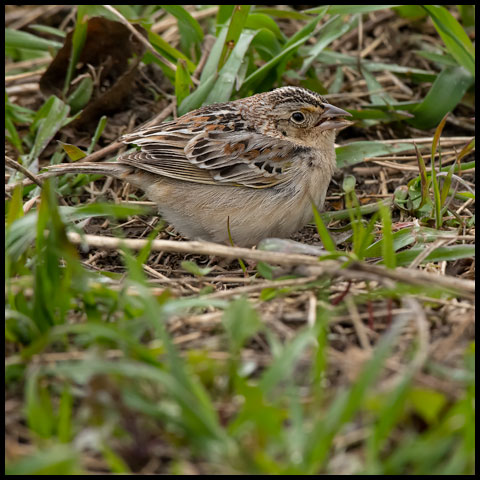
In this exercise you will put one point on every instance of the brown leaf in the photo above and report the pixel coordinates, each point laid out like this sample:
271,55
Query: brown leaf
113,54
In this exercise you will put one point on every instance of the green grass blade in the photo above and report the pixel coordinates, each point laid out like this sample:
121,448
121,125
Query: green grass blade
260,21
284,363
54,460
222,90
374,86
356,152
19,39
191,33
450,253
446,185
241,322
235,29
211,66
169,52
65,412
388,252
194,269
436,196
198,96
322,230
102,123
423,177
183,82
453,35
438,133
281,13
39,409
466,149
15,206
444,95
346,403
50,119
334,28
388,417
223,16
408,236
292,44
78,41
82,94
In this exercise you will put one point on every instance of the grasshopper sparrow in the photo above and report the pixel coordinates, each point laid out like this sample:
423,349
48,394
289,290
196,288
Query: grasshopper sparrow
257,163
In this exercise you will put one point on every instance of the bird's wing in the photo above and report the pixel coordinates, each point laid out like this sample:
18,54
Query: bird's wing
214,147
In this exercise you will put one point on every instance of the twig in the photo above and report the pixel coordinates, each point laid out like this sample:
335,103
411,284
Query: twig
167,111
20,168
406,168
23,76
207,46
29,16
423,255
458,179
357,323
34,62
258,287
465,288
465,205
22,89
445,141
312,266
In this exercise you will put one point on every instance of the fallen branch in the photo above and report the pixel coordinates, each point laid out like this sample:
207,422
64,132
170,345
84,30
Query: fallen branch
311,265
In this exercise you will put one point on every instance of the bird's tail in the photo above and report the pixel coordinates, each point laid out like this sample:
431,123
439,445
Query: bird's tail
113,169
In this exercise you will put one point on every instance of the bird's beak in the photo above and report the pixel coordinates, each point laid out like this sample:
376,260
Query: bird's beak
332,119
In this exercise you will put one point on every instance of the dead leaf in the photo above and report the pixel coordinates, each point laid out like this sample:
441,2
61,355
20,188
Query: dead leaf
110,56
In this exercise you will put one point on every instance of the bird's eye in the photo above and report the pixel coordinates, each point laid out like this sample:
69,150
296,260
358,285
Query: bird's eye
298,117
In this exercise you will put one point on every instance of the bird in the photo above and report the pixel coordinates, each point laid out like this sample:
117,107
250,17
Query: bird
237,171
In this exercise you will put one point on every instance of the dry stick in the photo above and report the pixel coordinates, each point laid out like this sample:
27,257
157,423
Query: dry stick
414,157
359,327
23,76
103,152
201,248
359,270
22,89
157,119
34,62
20,168
367,26
258,287
207,46
445,141
423,255
29,16
465,288
405,168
